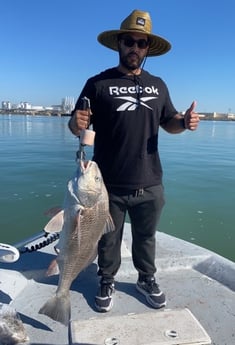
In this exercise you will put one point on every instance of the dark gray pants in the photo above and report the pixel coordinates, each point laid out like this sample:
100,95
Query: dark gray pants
144,212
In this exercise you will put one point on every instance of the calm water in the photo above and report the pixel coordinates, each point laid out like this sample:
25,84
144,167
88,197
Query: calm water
38,157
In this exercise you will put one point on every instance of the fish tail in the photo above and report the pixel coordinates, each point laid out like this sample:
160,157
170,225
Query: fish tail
58,308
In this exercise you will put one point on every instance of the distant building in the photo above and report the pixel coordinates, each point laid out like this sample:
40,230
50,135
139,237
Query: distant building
56,107
231,116
37,107
25,106
6,105
68,104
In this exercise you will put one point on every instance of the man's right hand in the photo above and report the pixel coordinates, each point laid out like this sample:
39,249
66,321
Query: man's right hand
79,120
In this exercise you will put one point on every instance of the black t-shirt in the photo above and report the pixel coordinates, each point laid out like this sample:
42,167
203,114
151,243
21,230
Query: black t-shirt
127,112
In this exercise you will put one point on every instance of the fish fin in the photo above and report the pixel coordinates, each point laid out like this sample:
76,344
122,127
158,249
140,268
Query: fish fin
93,257
56,223
51,212
58,308
109,225
53,269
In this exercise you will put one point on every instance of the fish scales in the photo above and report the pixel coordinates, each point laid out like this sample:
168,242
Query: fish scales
79,251
86,219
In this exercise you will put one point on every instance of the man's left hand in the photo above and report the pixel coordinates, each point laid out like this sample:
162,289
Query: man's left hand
191,119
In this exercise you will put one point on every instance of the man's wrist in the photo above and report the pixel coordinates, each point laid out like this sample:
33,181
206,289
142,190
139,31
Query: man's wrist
183,123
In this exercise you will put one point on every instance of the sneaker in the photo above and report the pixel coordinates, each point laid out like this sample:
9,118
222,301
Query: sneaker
150,289
104,298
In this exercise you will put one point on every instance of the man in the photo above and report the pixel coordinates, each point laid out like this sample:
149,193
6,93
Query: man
128,105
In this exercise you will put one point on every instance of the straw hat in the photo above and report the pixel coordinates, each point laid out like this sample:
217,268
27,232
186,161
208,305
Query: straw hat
138,22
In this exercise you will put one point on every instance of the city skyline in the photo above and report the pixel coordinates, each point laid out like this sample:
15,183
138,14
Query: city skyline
67,105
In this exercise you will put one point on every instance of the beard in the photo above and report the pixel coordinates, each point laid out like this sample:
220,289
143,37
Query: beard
130,61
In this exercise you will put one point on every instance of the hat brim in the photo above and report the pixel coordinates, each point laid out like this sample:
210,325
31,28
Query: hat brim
158,45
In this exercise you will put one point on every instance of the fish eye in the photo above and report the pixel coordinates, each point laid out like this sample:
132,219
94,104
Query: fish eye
97,179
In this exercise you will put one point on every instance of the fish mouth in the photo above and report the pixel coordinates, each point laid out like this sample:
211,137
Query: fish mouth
84,165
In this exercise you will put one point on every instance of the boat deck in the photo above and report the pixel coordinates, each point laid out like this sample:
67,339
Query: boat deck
192,278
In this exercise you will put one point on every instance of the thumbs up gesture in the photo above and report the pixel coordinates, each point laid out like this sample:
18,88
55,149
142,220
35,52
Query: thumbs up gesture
191,119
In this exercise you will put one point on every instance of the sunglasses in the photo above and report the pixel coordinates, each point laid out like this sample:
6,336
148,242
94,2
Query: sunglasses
129,42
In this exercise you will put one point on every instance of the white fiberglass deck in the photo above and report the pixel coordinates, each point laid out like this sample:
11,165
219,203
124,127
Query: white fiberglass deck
195,281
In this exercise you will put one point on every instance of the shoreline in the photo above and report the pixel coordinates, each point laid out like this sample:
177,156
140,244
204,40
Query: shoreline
205,116
33,113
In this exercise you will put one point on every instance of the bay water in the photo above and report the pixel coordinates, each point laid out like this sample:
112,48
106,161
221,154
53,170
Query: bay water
38,157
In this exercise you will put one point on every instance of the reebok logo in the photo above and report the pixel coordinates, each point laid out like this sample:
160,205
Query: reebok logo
132,103
115,90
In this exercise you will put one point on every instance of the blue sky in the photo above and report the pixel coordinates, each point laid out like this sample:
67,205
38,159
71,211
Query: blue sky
49,48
